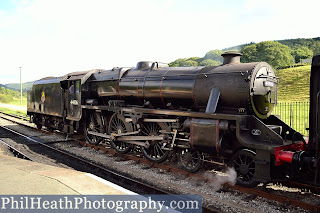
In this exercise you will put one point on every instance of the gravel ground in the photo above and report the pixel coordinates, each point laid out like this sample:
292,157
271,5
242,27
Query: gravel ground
224,200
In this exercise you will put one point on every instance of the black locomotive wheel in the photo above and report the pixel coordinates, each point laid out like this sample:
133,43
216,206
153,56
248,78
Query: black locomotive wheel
60,126
39,126
243,163
190,160
94,124
154,152
36,121
118,125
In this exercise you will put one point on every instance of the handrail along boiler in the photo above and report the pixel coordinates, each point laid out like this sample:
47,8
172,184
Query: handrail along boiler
217,112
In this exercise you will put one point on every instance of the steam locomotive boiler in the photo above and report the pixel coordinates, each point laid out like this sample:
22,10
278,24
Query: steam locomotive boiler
250,88
197,113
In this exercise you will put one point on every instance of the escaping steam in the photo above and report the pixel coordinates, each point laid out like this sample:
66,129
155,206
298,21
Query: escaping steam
216,181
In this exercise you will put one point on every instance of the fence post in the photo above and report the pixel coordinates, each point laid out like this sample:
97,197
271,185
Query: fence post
291,114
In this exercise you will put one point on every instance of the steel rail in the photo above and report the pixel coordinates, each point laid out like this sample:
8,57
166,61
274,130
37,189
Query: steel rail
251,191
109,173
15,116
255,192
15,151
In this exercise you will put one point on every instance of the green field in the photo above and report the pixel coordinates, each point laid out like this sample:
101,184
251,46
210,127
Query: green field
294,114
293,97
13,111
14,107
17,102
294,84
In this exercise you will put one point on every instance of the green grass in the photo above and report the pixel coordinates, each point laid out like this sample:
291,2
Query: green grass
17,102
16,112
293,87
294,84
294,114
12,110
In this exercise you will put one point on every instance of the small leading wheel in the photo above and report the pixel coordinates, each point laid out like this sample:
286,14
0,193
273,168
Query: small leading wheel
155,151
243,163
190,160
118,125
94,124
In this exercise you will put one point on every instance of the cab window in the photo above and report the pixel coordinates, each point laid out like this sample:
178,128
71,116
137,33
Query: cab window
71,88
77,87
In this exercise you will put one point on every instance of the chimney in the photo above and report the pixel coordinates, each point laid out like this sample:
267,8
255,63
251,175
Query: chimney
231,57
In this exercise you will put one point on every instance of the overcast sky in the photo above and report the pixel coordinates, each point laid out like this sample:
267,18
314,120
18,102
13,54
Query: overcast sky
55,37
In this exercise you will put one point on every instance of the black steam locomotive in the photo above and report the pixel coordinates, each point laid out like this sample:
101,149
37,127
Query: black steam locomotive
217,113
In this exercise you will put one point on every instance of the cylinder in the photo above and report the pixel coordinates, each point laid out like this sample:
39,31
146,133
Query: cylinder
286,156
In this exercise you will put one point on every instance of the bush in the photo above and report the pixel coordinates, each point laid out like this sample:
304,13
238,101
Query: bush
5,99
272,52
209,62
214,55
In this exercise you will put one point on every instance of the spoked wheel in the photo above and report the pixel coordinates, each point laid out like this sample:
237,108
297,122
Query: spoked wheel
94,124
243,163
118,125
155,150
190,160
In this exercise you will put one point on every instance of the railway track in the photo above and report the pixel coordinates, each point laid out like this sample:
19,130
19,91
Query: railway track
86,162
148,189
302,186
25,118
15,151
252,191
168,168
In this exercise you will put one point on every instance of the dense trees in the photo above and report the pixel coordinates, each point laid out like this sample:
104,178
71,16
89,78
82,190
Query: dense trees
212,58
301,52
209,62
272,52
277,53
184,62
311,43
5,99
7,95
214,55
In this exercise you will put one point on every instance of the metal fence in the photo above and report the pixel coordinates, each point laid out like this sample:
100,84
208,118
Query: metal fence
295,114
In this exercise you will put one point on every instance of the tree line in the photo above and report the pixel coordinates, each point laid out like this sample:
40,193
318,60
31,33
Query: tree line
7,95
278,54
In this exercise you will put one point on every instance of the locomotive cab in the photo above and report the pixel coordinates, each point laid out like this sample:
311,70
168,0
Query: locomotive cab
72,83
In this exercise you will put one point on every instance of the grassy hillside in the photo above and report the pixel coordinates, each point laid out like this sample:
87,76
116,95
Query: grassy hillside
294,84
